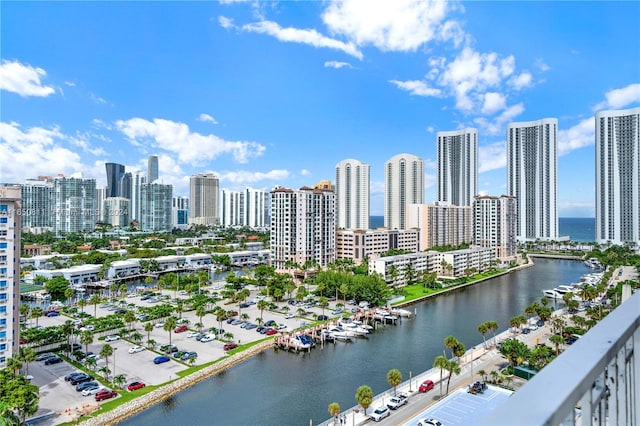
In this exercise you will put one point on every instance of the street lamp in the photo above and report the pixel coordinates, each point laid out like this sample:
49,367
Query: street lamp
114,367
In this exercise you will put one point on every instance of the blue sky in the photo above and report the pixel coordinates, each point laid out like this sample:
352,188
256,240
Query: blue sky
266,94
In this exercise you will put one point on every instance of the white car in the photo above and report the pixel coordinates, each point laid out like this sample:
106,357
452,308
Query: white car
429,422
289,316
92,391
208,338
159,325
380,413
282,326
112,338
192,334
136,349
88,328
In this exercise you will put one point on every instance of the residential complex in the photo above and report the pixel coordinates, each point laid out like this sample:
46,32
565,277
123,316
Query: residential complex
618,177
115,173
352,194
37,199
75,204
245,208
180,212
10,228
532,166
358,244
303,227
116,212
495,225
457,153
203,199
155,204
403,185
441,224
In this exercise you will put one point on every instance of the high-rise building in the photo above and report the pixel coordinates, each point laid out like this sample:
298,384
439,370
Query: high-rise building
232,208
244,208
152,168
138,179
495,225
257,208
155,205
115,212
352,194
303,227
441,224
457,153
180,212
74,204
618,177
126,185
10,206
101,195
37,202
203,199
532,165
403,185
115,173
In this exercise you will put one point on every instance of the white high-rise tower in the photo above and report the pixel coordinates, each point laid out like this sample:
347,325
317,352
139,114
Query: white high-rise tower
352,194
532,165
203,199
618,176
403,185
458,166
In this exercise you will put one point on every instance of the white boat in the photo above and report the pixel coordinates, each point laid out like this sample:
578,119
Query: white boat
341,334
552,294
401,312
356,328
299,343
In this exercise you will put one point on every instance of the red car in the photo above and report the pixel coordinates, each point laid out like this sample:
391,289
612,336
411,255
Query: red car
271,332
427,385
106,394
230,346
180,329
135,385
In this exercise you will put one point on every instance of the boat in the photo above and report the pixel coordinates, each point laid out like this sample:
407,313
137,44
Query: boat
552,294
356,328
401,312
593,263
300,342
341,334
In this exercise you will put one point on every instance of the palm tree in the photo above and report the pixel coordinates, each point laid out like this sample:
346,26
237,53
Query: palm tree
36,312
27,355
82,303
148,327
228,336
91,363
68,294
451,342
129,318
483,374
136,337
14,364
86,338
180,307
452,367
201,312
364,396
120,380
514,322
482,329
262,305
334,410
169,324
123,290
105,352
394,378
557,340
440,362
94,300
105,370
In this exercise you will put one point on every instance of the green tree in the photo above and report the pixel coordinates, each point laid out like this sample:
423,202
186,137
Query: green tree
148,327
129,317
95,300
364,396
440,362
120,380
14,364
482,329
105,352
262,305
19,394
453,368
82,303
27,355
169,324
36,312
334,410
56,287
68,294
557,340
451,342
394,378
86,338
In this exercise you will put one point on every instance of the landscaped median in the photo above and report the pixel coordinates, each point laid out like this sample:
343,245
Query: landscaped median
142,402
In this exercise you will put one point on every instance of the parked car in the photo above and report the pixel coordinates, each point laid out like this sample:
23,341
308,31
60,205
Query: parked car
540,323
398,401
168,349
81,378
208,338
70,376
192,334
282,326
271,332
112,338
380,413
88,328
289,316
76,347
429,422
426,386
261,329
53,314
251,326
93,391
477,387
230,346
44,356
322,317
135,386
188,355
526,330
86,385
136,349
106,394
160,359
270,323
159,325
52,360
180,329
199,336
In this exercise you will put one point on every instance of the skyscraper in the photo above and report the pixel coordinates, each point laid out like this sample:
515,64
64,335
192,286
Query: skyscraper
155,205
303,227
352,194
457,153
115,173
257,208
244,208
137,180
232,208
203,199
75,204
126,185
618,177
403,185
10,205
37,202
152,168
532,164
180,212
441,224
495,225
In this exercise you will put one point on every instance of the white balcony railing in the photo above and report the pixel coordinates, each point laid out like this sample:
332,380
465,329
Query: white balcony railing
596,381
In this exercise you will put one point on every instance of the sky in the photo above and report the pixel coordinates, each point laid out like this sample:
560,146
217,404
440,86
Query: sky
268,94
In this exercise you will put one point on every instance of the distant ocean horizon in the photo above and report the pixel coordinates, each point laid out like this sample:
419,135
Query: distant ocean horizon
579,229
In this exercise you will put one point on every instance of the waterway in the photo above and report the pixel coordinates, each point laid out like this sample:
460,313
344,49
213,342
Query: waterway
279,388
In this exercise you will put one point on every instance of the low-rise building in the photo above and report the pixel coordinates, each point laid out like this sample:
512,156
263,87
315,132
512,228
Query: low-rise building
356,244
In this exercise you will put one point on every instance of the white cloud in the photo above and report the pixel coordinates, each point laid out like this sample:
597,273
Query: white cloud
305,172
206,117
493,102
430,129
541,65
496,125
97,99
190,147
242,177
522,80
619,98
417,87
337,64
225,22
70,83
491,157
399,25
295,35
23,79
376,187
578,136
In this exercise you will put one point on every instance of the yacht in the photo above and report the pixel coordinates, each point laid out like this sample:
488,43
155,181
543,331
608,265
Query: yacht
341,334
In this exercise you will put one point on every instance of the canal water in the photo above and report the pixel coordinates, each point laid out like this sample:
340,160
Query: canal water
280,388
